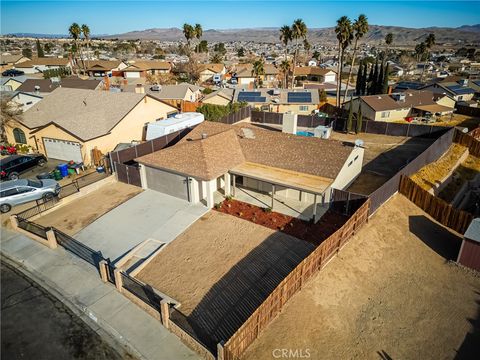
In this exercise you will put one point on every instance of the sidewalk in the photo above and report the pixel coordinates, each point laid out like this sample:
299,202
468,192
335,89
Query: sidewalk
79,284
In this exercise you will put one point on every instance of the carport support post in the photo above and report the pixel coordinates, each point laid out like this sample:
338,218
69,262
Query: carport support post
165,313
233,184
220,352
51,239
227,184
314,207
118,279
273,195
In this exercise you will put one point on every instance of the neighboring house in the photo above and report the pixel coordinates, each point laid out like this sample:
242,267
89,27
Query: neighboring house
11,83
215,158
303,101
43,87
219,97
206,71
8,61
101,68
458,90
244,75
25,100
315,74
407,85
69,123
140,69
176,94
38,65
401,106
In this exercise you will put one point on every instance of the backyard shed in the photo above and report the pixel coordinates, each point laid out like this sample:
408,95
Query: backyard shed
469,254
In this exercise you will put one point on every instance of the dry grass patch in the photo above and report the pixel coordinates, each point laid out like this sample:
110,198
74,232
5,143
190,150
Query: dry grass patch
428,176
465,172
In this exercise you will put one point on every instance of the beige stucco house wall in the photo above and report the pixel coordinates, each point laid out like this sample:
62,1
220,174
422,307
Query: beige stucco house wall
217,100
130,128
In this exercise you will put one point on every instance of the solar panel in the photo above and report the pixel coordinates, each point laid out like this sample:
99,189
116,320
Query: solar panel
250,96
458,89
302,97
477,83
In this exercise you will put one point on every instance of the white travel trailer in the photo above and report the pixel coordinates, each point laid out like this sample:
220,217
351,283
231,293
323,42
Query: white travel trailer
170,125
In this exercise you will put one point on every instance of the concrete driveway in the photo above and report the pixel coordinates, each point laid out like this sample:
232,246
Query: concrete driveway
149,215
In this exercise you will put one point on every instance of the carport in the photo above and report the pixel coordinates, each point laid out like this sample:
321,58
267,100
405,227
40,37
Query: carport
289,186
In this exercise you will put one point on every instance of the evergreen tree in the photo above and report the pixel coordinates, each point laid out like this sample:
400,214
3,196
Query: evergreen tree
374,85
350,117
379,84
40,52
364,78
358,84
385,81
359,118
370,81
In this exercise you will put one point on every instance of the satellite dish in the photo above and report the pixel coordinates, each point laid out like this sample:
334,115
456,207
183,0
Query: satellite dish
359,142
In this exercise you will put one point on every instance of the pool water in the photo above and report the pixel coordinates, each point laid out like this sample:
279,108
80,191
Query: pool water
305,133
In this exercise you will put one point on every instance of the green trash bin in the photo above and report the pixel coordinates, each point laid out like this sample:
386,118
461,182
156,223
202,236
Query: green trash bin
57,175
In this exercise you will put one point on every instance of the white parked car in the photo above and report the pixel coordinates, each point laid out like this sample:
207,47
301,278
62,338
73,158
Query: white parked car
21,191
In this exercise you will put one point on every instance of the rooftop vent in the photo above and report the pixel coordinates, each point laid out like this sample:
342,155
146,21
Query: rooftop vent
204,135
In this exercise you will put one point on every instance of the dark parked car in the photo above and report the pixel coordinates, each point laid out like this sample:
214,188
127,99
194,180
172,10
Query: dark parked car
12,166
13,72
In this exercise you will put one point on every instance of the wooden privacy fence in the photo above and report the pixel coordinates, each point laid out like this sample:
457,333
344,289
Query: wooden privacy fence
340,124
239,115
469,141
273,304
467,110
437,208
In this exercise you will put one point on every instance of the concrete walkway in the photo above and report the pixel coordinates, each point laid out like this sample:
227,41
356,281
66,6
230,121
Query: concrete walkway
79,286
148,215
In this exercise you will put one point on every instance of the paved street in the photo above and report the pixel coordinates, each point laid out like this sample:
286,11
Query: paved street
36,325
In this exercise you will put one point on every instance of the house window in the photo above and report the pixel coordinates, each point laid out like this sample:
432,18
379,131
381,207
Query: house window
350,163
19,136
29,103
385,114
303,108
460,97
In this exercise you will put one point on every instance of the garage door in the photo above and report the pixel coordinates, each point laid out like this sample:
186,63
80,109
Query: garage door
167,183
63,150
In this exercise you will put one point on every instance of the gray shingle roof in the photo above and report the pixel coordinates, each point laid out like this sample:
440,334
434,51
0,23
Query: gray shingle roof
87,114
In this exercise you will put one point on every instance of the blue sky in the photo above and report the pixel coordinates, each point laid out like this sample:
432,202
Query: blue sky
113,17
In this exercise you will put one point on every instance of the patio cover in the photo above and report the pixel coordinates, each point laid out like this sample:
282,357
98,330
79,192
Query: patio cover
433,108
287,178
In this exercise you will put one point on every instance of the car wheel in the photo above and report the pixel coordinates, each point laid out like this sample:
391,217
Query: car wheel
48,196
13,176
4,208
41,162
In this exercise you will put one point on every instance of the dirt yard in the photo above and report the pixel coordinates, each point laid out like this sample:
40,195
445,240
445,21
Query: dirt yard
222,268
73,217
389,294
384,156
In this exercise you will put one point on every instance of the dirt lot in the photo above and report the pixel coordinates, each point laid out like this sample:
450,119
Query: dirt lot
222,268
390,294
73,217
384,156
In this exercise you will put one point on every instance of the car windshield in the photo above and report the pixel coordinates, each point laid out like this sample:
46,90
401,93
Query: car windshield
35,183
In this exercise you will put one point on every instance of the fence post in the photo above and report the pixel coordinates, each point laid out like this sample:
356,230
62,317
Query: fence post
103,270
118,279
220,351
51,239
14,222
165,313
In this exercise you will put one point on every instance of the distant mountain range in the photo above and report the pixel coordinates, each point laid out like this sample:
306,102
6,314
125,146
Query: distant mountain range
466,34
402,36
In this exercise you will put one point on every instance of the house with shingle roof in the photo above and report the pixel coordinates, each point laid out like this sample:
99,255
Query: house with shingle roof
206,71
46,86
457,90
101,68
38,65
140,68
315,74
216,158
401,106
69,123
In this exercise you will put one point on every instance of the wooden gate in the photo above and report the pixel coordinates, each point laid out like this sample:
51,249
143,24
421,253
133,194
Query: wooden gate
128,174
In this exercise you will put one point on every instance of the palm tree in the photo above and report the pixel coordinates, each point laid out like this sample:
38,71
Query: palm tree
198,31
285,69
285,37
86,34
299,31
75,31
307,47
360,27
429,42
344,37
189,33
388,42
258,70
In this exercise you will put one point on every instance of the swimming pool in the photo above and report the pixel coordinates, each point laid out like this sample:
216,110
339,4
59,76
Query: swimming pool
305,133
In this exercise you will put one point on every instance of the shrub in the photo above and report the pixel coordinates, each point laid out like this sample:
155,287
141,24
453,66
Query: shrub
267,209
217,112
